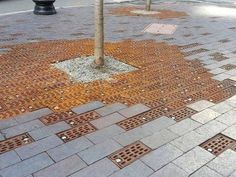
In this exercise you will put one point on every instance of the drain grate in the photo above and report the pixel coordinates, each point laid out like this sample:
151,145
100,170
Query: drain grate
194,52
57,117
228,67
76,132
218,144
15,142
141,119
224,41
83,118
189,46
217,56
221,96
182,114
129,154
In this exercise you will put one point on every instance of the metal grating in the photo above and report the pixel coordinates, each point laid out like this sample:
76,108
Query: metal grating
15,142
141,119
194,52
228,67
217,56
83,118
189,46
76,132
182,114
224,41
129,154
221,96
156,28
57,117
218,144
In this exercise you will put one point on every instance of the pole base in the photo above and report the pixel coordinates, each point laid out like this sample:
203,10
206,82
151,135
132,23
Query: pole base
44,7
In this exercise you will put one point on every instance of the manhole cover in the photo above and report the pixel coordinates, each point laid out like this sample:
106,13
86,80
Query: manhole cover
83,118
156,28
129,154
182,114
15,142
76,132
218,144
57,117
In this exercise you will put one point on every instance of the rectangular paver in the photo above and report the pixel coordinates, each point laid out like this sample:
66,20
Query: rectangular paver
228,118
28,166
4,124
161,156
201,105
230,132
104,134
159,138
102,168
134,110
193,160
22,128
107,120
110,109
205,116
49,130
206,172
8,158
136,169
99,151
87,107
72,147
62,168
39,146
222,107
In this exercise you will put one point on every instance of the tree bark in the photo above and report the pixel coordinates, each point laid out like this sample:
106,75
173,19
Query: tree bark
99,34
148,5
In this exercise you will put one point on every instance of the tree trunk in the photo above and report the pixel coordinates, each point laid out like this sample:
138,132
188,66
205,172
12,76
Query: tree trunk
148,5
99,34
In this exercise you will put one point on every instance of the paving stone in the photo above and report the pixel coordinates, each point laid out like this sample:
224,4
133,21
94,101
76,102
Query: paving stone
184,126
170,170
205,172
158,139
211,128
134,110
158,124
132,136
99,151
72,147
4,124
107,120
193,160
233,174
104,134
8,158
222,107
189,141
39,146
136,169
161,156
88,107
102,168
1,137
230,132
224,164
232,101
205,116
201,105
27,166
62,168
49,130
217,71
33,115
110,109
228,118
221,77
233,78
22,128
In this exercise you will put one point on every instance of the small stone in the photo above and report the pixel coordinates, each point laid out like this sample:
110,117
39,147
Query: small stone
118,160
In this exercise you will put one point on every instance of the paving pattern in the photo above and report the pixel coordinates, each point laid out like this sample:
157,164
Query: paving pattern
174,116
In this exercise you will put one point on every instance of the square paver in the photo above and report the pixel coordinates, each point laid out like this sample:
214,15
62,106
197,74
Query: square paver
184,126
230,132
158,139
228,118
110,108
201,105
8,158
222,107
224,164
170,170
193,160
205,116
161,156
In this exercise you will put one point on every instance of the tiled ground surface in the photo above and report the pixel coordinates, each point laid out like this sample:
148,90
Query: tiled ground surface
94,139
